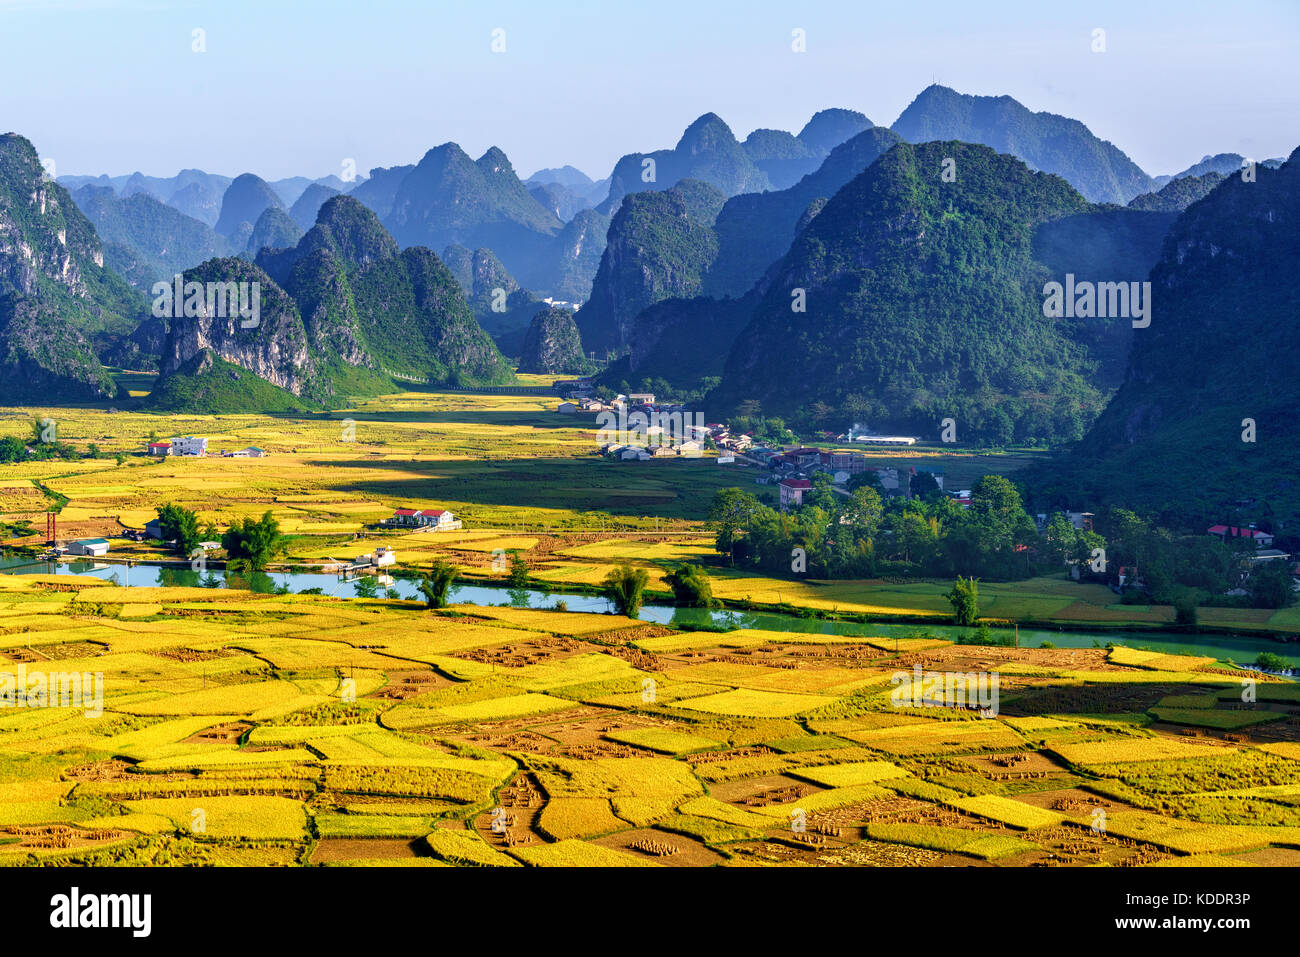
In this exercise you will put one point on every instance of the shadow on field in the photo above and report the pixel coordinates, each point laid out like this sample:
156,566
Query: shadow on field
485,417
673,488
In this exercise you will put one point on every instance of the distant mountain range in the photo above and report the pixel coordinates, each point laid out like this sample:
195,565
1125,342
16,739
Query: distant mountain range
549,231
1045,141
919,294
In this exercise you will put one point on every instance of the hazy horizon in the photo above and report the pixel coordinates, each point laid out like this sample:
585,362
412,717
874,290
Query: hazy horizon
280,94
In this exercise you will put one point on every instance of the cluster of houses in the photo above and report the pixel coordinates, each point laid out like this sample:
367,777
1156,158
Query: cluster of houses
196,446
791,470
1130,576
583,401
1264,550
424,519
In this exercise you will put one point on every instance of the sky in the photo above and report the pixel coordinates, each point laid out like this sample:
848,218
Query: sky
297,88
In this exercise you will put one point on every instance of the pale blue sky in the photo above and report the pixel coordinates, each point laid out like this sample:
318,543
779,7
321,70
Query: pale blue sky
295,88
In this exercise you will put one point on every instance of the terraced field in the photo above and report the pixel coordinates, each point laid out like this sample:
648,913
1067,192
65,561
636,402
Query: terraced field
221,727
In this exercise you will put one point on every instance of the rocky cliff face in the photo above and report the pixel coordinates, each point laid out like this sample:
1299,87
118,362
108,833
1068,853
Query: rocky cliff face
552,344
659,246
275,349
343,312
59,306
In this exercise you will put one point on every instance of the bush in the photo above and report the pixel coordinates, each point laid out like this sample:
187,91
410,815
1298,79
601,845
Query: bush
964,598
690,585
437,583
252,543
624,588
1185,609
1271,662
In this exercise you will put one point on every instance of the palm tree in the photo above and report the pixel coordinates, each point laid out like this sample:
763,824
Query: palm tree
435,585
624,589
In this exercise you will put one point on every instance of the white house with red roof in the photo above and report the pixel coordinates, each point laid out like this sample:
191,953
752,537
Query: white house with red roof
1225,532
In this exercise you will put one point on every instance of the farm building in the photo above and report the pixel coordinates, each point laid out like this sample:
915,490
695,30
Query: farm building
252,452
379,558
567,408
153,529
160,448
94,547
189,445
438,519
792,491
886,439
1225,532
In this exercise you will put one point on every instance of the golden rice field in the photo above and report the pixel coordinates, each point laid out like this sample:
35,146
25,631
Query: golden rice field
519,476
222,727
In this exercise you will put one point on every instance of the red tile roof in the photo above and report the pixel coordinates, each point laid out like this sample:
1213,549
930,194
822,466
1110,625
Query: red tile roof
796,483
405,512
1234,531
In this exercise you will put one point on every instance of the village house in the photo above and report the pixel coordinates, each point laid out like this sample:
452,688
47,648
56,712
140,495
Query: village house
252,452
642,398
436,519
153,529
93,547
381,557
803,457
1225,532
190,445
845,460
160,448
889,479
567,408
1269,555
1081,520
793,491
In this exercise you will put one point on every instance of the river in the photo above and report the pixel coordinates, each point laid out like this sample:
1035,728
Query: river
1239,648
